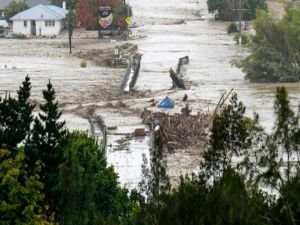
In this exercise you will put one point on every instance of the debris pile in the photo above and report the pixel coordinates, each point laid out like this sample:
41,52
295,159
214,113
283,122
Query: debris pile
179,131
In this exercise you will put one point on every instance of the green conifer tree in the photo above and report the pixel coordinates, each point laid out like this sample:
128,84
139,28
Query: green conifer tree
16,116
229,137
155,183
46,144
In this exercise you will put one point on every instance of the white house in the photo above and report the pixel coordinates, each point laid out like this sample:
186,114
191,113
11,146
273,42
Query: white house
42,20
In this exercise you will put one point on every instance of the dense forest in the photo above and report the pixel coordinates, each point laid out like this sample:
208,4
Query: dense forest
49,175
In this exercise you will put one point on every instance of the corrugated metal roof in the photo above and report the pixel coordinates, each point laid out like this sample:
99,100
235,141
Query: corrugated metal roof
42,12
30,3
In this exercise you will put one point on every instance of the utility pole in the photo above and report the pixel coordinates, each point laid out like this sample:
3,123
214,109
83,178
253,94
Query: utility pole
70,37
240,12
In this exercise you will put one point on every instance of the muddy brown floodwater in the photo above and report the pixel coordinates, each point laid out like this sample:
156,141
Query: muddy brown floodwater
90,96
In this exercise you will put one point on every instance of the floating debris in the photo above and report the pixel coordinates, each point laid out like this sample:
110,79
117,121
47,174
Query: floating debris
179,131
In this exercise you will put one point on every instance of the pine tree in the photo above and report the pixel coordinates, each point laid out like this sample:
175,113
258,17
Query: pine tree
229,137
16,116
46,144
155,182
285,127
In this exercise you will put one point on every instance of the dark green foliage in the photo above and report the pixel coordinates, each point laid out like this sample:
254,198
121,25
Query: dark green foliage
69,172
286,128
20,193
155,179
223,8
232,28
229,137
274,49
88,190
282,144
252,6
13,8
287,208
155,184
15,117
242,38
46,144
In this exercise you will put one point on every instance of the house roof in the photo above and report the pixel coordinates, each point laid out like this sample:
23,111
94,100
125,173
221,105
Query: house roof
42,12
30,3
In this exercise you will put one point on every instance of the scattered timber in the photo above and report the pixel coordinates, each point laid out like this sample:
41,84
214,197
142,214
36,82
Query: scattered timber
131,73
179,131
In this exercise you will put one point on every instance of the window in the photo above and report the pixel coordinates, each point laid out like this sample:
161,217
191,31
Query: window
25,23
50,23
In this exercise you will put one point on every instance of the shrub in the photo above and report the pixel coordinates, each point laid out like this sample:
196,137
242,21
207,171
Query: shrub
83,64
232,28
244,36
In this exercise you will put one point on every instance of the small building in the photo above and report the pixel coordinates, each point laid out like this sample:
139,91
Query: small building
41,20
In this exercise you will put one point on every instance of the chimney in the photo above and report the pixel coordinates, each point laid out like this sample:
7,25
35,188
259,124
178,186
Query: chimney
64,5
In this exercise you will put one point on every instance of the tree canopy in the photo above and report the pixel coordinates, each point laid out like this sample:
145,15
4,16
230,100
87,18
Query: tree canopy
247,176
274,50
224,8
13,8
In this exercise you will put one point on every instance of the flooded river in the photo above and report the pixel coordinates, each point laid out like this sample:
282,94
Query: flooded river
210,50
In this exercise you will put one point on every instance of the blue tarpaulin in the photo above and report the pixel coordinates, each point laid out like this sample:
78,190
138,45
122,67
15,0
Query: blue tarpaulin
167,103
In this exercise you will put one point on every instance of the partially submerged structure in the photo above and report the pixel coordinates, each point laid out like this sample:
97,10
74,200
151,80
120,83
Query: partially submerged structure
177,80
131,73
45,20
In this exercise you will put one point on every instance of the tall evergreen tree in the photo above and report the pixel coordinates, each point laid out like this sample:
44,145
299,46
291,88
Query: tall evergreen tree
46,144
229,137
155,182
16,116
286,127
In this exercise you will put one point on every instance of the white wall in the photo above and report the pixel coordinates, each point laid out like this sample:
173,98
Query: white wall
48,31
18,28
